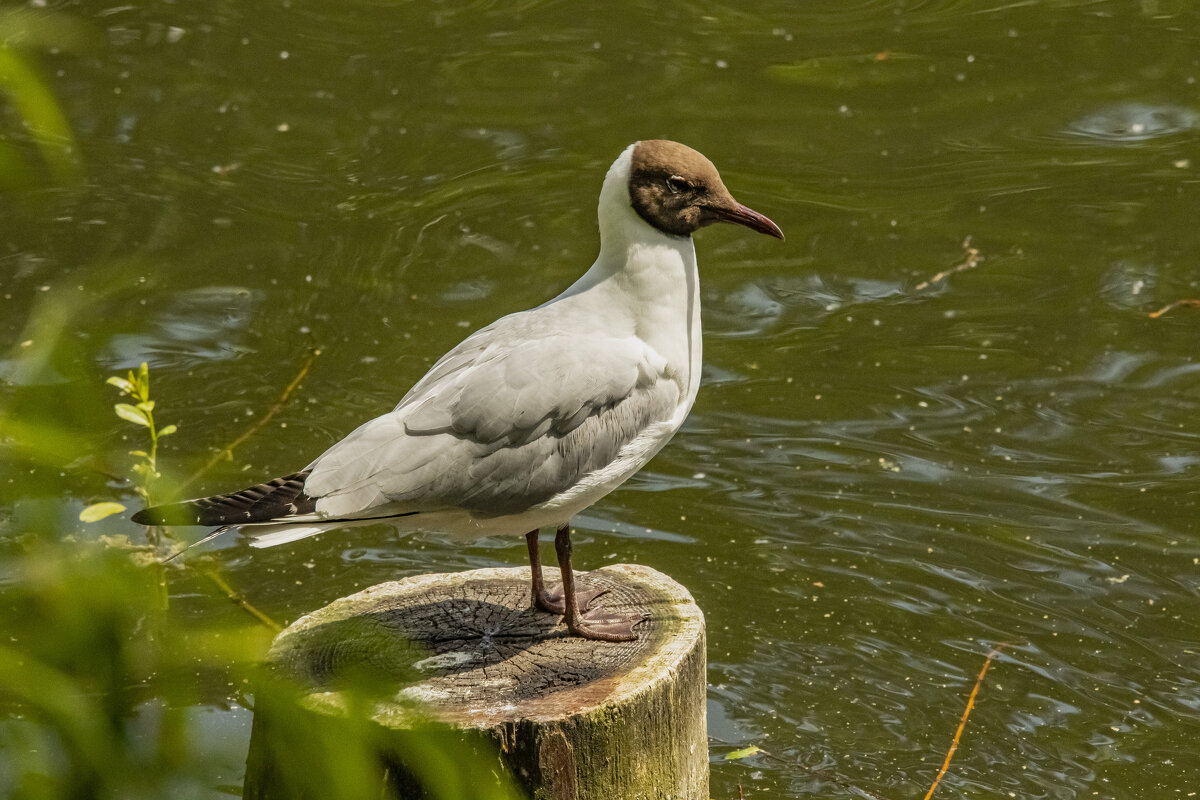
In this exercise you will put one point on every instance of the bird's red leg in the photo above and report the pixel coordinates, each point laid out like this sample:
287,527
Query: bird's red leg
551,600
541,600
596,624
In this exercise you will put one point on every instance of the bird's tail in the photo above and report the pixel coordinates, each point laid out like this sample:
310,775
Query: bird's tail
271,513
267,502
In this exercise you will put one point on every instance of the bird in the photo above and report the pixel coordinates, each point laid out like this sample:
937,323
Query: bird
536,416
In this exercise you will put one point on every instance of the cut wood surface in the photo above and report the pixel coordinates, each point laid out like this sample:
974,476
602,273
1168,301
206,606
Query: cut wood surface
573,718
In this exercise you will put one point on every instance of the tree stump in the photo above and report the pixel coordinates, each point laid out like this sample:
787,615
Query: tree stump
572,718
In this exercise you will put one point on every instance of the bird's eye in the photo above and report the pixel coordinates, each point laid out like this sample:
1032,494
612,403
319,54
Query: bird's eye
678,185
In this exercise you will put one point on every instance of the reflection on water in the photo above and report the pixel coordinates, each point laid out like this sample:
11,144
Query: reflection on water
197,326
878,482
1136,122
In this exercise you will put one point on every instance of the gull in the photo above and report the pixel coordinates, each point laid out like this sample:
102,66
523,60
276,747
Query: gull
540,414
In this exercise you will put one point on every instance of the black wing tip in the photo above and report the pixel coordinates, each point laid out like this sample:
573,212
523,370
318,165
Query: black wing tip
173,514
264,502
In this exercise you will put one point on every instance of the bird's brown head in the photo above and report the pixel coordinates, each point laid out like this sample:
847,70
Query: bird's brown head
678,191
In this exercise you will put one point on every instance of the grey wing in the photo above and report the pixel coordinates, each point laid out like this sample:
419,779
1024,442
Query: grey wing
502,422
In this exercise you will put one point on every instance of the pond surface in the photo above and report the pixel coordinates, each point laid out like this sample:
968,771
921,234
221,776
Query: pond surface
938,418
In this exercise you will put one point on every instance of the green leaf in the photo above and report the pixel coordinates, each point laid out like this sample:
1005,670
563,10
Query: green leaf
743,753
131,414
98,511
122,384
168,430
146,405
139,453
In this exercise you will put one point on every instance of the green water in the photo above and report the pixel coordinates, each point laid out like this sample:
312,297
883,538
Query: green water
878,482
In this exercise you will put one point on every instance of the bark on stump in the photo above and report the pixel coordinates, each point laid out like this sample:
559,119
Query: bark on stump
573,719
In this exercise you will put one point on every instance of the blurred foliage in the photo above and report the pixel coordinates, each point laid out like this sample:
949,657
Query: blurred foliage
105,689
87,657
44,125
303,752
97,682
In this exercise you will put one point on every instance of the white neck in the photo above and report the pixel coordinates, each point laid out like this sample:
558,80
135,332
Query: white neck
654,274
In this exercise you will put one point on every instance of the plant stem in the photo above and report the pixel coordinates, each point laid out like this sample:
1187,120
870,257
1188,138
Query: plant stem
240,601
226,453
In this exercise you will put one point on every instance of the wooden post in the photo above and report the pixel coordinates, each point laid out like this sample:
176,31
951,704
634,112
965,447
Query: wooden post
573,719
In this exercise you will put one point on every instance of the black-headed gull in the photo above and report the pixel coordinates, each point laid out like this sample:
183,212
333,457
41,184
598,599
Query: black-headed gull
537,416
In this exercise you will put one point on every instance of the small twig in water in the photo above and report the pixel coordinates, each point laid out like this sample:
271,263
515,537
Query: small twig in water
227,451
1173,306
240,601
962,723
970,262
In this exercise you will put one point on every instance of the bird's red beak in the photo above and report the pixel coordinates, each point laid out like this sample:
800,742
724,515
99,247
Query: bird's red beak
743,215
